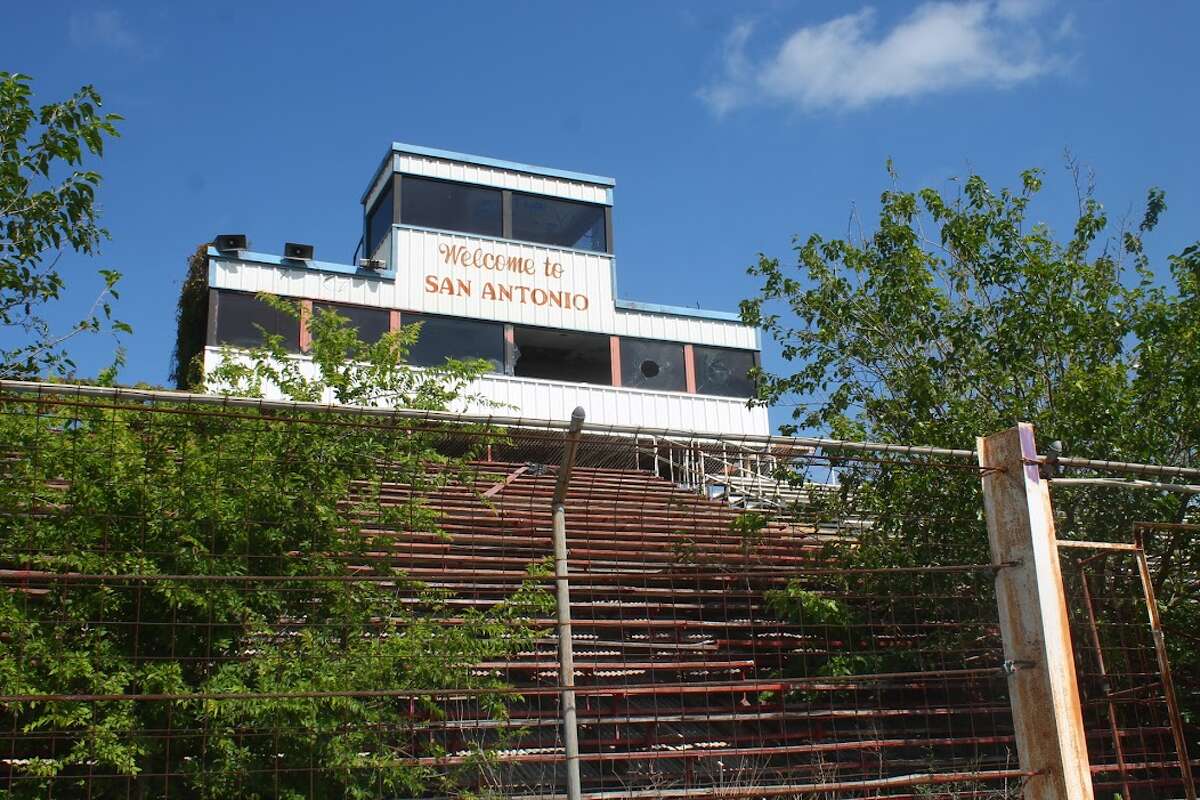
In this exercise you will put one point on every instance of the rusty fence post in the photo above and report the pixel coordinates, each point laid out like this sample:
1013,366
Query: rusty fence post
1033,619
1164,668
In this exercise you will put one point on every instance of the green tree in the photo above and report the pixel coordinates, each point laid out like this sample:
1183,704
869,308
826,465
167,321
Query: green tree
44,213
958,316
192,502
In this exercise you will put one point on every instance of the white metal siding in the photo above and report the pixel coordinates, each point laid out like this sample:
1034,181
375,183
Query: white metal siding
591,274
417,255
605,405
500,178
611,405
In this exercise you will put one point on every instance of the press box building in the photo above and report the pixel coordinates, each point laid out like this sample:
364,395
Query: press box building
512,263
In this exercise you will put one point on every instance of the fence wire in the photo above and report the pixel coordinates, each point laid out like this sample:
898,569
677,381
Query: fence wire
205,601
1138,741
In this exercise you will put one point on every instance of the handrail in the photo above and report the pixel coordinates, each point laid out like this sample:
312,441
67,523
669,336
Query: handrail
828,445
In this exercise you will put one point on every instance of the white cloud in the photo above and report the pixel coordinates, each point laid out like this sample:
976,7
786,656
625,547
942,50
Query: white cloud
845,64
106,28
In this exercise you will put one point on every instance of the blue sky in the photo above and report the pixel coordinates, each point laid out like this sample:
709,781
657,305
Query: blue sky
729,128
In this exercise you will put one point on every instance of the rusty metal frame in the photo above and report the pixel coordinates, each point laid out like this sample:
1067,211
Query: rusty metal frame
1137,548
1164,665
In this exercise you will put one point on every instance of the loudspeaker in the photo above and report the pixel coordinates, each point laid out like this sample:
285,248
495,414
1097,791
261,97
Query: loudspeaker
300,252
226,242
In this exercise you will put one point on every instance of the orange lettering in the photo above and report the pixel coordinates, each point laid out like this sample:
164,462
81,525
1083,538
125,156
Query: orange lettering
452,254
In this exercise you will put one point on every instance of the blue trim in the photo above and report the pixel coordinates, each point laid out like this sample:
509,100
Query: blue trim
502,240
291,263
677,311
484,161
383,164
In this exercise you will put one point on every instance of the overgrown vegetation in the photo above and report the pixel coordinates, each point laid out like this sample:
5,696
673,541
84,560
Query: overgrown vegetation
191,322
197,554
959,316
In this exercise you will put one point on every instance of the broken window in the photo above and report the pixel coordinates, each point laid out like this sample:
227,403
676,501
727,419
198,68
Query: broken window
562,355
724,371
650,364
238,316
450,206
455,337
564,223
371,323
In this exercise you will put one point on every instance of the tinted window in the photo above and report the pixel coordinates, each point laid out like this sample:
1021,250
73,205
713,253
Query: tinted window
720,370
563,356
558,222
371,323
450,206
648,364
379,221
238,314
454,337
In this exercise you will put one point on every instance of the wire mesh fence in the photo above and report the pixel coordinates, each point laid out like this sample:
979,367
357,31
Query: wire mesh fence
237,599
1137,740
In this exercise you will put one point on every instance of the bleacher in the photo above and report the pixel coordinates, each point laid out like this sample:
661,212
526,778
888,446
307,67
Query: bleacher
681,667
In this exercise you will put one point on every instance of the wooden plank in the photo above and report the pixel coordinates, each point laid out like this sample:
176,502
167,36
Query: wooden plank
1033,619
306,314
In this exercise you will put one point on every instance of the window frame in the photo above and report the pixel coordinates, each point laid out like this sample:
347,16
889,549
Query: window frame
755,361
603,346
400,178
406,318
338,306
389,192
507,196
628,364
219,298
604,212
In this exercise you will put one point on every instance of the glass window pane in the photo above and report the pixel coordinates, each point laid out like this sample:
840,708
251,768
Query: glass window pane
562,355
379,222
371,323
563,223
455,337
237,315
723,371
450,206
649,364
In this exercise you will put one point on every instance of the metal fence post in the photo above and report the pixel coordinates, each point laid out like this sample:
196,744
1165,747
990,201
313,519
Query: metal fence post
1033,618
566,650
